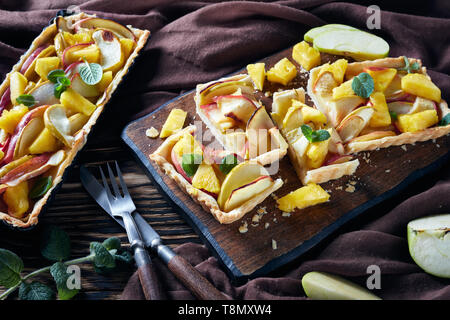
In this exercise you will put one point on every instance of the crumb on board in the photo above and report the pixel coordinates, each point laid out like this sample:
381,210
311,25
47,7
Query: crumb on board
266,225
387,171
274,244
152,132
243,228
286,214
404,148
352,182
256,218
339,188
274,196
268,94
350,188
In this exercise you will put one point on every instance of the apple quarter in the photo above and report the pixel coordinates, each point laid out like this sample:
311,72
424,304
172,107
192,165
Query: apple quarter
51,130
241,189
240,123
405,107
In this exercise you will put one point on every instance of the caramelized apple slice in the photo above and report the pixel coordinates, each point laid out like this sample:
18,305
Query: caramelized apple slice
246,192
29,134
112,57
354,122
224,87
58,124
238,107
97,23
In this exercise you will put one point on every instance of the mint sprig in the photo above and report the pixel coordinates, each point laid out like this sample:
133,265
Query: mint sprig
445,120
55,246
26,100
91,73
409,67
59,78
393,115
314,136
190,163
363,85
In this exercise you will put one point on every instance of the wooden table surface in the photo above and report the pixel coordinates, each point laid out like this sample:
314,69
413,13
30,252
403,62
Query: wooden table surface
79,215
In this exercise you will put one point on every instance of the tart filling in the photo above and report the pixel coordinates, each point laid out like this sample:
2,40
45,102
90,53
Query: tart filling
222,182
49,102
239,122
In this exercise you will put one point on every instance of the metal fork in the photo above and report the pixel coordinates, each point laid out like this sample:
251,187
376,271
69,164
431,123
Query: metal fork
123,206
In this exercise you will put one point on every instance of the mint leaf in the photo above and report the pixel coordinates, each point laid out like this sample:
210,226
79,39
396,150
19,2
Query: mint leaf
228,163
62,83
26,100
102,256
394,115
112,243
55,244
363,85
314,136
41,187
55,74
307,131
35,291
124,256
91,73
409,67
190,163
10,268
445,120
60,275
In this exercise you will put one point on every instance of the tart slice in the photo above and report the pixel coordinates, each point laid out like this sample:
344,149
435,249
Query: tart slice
315,149
402,106
239,122
222,182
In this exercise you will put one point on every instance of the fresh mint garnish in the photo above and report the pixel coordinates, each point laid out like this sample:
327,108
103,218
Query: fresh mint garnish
190,163
55,244
41,187
35,291
26,100
60,275
363,85
228,163
55,74
10,268
91,73
445,120
314,136
394,115
59,78
409,67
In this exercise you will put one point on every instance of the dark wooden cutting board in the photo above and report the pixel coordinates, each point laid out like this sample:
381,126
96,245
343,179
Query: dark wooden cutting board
380,175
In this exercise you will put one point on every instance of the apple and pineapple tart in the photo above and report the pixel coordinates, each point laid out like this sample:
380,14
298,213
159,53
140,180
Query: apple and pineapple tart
222,182
49,100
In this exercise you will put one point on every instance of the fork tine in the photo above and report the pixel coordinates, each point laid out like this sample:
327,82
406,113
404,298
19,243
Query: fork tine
123,185
113,182
106,186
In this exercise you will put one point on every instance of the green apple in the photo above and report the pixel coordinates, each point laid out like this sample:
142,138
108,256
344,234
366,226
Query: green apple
325,286
357,44
314,32
429,244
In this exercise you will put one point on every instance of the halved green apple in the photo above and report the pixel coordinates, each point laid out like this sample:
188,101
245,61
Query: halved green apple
246,192
112,56
354,123
325,286
314,32
358,44
56,121
429,244
240,175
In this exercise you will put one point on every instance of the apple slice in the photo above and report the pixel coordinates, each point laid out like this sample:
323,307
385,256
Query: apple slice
373,136
240,175
67,58
283,100
43,94
429,244
325,286
400,107
176,162
112,56
354,123
223,87
84,89
294,117
31,58
239,107
5,100
246,192
314,32
29,133
56,121
236,142
337,159
77,121
62,25
257,132
355,43
98,23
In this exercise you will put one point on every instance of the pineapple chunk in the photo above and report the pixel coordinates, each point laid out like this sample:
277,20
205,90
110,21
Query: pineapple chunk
174,122
344,90
313,115
417,121
282,72
305,55
76,102
17,85
382,77
257,72
16,198
381,116
205,179
10,119
337,69
316,153
45,65
127,46
71,39
2,154
419,85
105,81
303,197
45,142
187,145
91,54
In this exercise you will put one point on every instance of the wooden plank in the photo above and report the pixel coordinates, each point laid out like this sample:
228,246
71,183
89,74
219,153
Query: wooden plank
381,175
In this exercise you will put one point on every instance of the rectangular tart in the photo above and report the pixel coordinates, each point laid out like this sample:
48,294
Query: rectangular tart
50,101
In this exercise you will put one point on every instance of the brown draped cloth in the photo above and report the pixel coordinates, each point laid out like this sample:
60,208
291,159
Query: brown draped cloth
198,41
